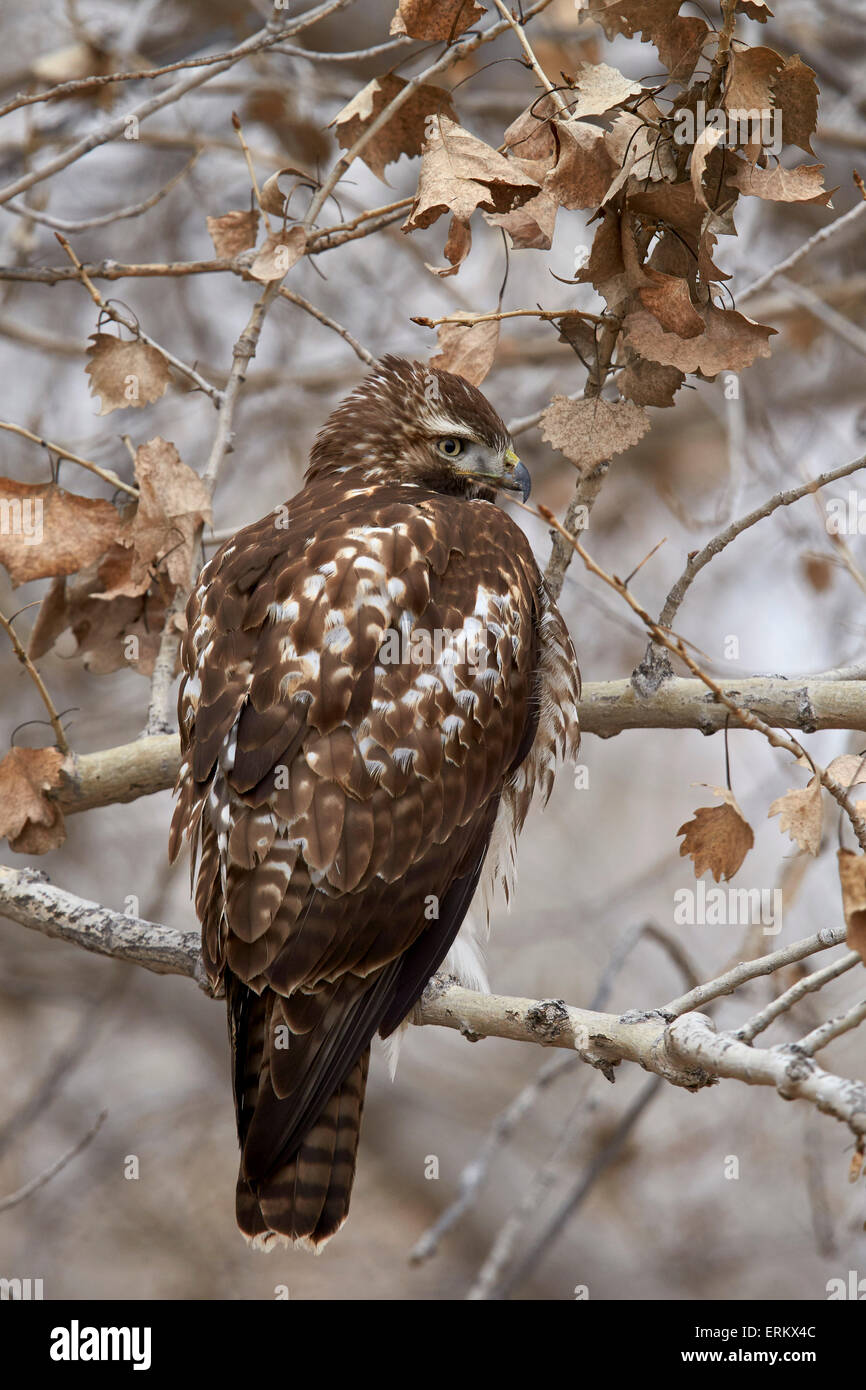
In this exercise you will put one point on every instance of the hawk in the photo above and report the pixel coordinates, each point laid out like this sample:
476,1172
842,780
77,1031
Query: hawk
375,682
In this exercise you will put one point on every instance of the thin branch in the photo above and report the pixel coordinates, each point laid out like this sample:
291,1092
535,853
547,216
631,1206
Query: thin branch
753,970
257,43
687,1052
316,313
747,718
714,547
783,266
106,474
453,54
816,980
59,735
132,325
833,1028
15,1198
60,224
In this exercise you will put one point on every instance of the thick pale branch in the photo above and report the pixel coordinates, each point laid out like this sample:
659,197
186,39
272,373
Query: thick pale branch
150,765
687,1051
28,898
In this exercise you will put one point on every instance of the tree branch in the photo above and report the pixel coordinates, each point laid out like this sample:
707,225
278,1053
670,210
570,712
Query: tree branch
686,1051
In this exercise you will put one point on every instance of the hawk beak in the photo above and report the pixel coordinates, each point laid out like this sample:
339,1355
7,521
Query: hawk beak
517,478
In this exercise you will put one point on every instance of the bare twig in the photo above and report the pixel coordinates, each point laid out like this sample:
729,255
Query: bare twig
59,735
15,1198
106,474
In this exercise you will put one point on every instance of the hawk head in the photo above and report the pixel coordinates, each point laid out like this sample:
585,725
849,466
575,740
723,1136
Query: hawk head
410,423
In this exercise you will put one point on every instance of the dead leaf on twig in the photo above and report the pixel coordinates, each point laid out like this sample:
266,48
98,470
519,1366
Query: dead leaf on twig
590,431
801,815
717,838
125,373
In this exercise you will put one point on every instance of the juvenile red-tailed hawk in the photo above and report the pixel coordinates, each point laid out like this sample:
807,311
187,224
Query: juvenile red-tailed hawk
376,681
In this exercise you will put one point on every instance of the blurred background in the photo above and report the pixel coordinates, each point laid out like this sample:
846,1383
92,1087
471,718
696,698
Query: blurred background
81,1034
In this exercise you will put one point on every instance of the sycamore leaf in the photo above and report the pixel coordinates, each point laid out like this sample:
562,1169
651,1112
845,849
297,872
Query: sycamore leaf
590,431
29,819
795,92
110,634
599,88
848,769
701,151
125,372
754,9
649,383
668,300
460,173
717,838
805,184
751,72
404,133
173,504
278,254
457,248
468,350
584,167
272,199
730,341
531,134
852,878
679,39
529,226
233,232
435,19
45,531
801,815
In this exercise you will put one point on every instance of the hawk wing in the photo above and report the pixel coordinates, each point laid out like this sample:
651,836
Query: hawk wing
361,699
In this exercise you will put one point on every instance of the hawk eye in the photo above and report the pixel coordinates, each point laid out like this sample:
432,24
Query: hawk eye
450,446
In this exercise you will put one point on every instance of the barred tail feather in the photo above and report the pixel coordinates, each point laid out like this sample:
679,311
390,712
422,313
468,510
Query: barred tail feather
306,1200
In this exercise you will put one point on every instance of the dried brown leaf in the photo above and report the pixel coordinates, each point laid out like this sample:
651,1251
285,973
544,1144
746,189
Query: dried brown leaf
599,88
668,300
590,431
468,350
649,383
801,813
849,769
805,184
852,878
717,838
751,72
460,173
125,372
45,531
584,167
29,819
795,92
703,148
530,226
730,342
435,19
404,133
173,504
278,254
234,231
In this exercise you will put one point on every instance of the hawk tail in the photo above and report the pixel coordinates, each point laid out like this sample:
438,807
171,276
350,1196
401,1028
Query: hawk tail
306,1199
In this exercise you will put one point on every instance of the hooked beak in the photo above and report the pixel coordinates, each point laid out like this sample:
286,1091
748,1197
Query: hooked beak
517,478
